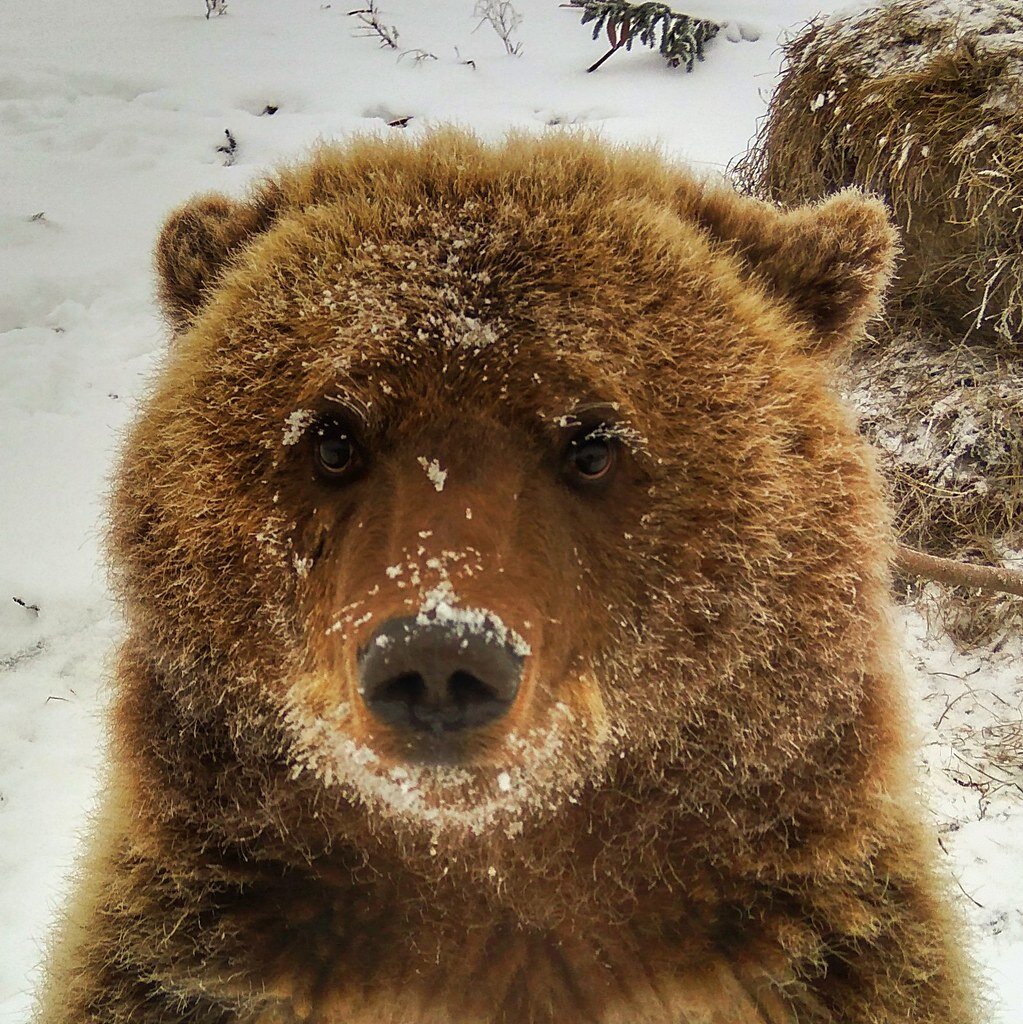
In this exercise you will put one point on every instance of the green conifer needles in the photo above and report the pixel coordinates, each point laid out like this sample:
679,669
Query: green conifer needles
681,36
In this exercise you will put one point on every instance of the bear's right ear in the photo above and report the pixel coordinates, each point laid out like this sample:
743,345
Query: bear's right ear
195,246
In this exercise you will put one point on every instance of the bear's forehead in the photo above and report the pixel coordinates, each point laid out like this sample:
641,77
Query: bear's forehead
490,304
445,274
442,299
459,271
383,369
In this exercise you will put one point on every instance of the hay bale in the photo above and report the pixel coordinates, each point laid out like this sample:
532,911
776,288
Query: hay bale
920,101
946,421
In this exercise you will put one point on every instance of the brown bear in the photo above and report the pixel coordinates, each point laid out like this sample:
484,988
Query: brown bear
506,602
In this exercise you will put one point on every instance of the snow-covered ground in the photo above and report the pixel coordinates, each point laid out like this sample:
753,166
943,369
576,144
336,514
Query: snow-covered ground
112,114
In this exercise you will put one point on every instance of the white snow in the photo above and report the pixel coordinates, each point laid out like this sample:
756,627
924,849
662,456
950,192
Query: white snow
995,25
969,707
445,800
441,604
433,471
110,116
296,425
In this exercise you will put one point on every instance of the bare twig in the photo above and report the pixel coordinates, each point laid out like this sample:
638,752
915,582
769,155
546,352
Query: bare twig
417,55
966,894
944,849
958,574
371,25
229,148
616,39
502,17
611,52
952,703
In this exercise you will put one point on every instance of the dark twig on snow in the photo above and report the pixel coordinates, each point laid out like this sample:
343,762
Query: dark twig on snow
617,38
26,605
958,574
944,849
371,25
228,148
619,33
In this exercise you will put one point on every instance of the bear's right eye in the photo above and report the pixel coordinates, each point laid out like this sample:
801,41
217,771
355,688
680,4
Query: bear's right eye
334,452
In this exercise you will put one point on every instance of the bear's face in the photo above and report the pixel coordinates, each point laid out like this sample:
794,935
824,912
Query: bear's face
464,486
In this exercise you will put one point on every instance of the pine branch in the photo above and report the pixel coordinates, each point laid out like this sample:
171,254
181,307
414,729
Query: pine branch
682,37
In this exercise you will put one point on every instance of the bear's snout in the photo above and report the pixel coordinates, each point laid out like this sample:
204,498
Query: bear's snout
439,676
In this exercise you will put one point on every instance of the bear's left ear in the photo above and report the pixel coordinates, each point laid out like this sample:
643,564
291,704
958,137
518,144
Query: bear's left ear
830,262
197,243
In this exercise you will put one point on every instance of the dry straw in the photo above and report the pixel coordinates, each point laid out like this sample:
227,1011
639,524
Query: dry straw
922,102
947,422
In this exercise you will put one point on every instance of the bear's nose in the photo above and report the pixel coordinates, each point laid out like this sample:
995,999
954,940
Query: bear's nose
438,676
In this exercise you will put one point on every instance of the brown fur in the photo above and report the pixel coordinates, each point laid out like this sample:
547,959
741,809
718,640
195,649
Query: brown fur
696,812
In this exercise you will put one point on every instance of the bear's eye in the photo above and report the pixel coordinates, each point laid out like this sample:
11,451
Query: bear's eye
334,452
590,456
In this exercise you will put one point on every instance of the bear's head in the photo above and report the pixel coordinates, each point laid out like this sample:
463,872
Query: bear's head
486,482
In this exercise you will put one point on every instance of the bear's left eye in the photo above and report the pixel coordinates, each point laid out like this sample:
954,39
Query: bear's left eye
334,452
590,456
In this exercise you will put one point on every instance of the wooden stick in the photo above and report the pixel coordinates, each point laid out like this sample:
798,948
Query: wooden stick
958,574
611,52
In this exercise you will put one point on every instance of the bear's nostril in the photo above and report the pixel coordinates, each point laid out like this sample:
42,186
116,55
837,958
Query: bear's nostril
467,689
435,677
395,696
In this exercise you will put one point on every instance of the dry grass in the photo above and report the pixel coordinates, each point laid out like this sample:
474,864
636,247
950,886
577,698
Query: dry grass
980,735
921,102
947,422
1003,744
